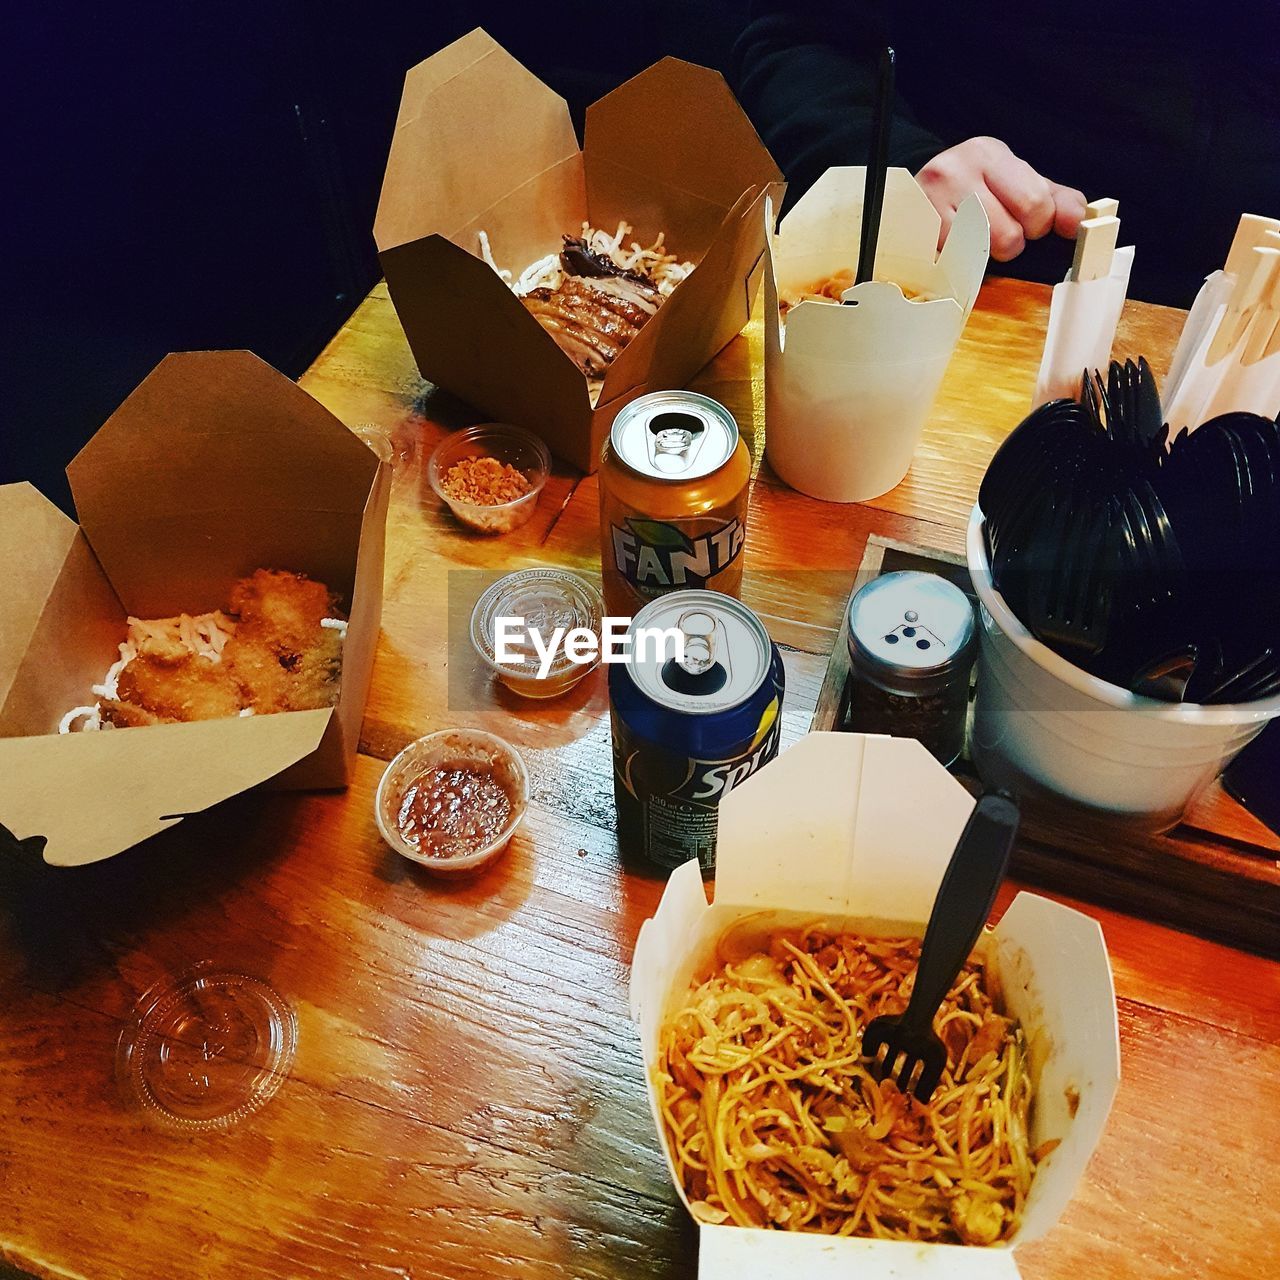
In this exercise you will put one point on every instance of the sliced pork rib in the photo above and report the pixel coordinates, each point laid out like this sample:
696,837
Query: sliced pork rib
592,320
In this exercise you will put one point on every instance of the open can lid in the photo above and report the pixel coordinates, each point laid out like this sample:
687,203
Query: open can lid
727,652
674,435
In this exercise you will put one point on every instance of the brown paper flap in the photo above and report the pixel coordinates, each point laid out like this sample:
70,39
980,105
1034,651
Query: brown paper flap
679,127
69,788
689,222
531,221
333,761
217,465
448,161
471,334
703,313
75,639
37,540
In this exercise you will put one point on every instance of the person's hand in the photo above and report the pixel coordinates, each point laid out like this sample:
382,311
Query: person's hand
1020,204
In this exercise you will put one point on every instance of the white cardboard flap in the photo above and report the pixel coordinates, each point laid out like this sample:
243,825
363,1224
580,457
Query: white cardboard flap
743,1253
859,828
962,264
853,847
822,233
1057,982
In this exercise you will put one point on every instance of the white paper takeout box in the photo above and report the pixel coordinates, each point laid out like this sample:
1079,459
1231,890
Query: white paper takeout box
856,831
848,388
215,465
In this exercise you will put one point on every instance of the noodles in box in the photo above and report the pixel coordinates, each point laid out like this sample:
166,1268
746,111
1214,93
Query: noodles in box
827,865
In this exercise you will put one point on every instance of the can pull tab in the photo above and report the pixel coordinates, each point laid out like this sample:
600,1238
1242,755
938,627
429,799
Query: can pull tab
698,670
674,441
699,631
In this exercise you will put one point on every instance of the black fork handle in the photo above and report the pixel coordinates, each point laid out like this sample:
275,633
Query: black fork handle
964,902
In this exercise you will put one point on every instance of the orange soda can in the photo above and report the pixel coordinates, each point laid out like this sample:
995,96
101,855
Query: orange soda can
673,500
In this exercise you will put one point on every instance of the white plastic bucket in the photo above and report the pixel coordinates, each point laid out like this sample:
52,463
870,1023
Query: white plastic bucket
1041,725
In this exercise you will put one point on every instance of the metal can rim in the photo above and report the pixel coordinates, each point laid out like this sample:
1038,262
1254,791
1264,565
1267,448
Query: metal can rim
709,599
629,411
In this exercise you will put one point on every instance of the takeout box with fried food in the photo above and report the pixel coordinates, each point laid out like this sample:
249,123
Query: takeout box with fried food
483,148
855,832
216,466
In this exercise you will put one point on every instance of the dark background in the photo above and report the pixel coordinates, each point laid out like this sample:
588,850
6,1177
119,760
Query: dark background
186,176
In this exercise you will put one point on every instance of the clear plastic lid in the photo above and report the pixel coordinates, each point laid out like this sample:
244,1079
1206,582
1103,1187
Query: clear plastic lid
206,1050
540,600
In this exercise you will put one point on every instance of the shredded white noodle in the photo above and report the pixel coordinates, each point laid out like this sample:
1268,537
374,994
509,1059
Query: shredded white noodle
664,269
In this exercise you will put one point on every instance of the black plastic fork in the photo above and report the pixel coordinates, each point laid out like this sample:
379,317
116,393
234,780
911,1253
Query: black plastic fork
905,1045
1069,603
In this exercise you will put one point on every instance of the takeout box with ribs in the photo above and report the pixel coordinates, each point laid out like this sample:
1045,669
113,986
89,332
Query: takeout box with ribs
208,625
548,285
777,1135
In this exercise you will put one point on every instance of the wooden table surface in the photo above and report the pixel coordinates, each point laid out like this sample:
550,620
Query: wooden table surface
467,1098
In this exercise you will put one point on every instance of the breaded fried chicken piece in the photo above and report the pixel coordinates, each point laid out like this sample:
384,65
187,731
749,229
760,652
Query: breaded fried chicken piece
168,649
276,657
278,677
124,715
284,607
283,659
192,689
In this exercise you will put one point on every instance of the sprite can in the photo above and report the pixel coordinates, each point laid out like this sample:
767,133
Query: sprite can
686,732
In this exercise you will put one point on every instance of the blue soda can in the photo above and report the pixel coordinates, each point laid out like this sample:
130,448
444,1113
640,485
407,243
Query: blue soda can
686,732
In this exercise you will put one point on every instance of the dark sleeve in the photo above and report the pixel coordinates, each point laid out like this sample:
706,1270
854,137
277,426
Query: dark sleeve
806,73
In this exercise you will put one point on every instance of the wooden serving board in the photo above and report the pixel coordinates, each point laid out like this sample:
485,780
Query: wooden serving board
1225,887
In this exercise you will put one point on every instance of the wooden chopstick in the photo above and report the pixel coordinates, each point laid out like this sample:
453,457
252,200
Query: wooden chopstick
1096,243
1251,231
1252,287
1262,338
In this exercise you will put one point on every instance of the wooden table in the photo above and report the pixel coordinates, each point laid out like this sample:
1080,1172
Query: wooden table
467,1098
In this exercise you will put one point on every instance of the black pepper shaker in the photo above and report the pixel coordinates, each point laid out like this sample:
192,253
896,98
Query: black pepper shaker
912,643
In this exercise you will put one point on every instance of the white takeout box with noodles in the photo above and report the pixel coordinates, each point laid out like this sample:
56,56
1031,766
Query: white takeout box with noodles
848,388
856,831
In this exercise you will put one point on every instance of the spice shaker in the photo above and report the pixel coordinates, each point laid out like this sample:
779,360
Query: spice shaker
912,643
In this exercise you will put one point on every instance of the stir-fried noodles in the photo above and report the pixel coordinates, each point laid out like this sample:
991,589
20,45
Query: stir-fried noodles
775,1121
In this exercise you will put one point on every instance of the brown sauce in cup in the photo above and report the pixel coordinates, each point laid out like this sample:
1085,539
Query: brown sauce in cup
449,811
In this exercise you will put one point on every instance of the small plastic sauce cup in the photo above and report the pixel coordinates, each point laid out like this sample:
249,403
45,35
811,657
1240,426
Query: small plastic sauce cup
539,600
514,445
452,748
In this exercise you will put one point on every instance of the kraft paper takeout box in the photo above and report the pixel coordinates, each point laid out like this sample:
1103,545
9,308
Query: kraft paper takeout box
848,388
216,465
482,145
856,831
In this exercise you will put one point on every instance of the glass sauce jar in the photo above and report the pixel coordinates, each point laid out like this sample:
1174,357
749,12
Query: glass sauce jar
912,643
